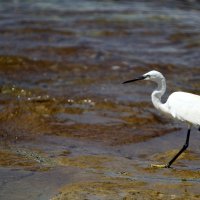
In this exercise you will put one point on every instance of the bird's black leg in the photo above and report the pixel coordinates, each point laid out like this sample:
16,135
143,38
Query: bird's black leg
185,146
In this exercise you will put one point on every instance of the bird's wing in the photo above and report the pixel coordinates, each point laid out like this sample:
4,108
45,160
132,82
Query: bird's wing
185,107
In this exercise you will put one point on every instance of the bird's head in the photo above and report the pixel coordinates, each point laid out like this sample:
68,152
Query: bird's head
152,75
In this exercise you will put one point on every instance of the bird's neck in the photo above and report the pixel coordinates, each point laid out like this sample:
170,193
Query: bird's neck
157,95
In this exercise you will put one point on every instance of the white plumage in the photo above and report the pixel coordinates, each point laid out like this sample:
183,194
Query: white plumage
185,107
180,105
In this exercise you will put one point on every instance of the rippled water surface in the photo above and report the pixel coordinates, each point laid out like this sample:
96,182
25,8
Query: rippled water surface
69,129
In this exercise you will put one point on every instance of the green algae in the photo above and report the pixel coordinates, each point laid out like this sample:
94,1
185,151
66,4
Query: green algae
123,189
166,156
10,64
113,188
94,162
13,160
36,156
184,174
23,159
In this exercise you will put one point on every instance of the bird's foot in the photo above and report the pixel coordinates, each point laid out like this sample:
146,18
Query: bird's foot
159,166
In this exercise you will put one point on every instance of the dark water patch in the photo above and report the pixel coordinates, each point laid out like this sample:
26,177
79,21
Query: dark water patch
87,118
26,183
114,135
180,37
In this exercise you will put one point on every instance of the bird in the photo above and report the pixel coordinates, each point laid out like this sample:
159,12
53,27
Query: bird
182,106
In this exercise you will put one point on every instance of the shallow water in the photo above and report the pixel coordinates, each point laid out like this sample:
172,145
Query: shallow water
66,119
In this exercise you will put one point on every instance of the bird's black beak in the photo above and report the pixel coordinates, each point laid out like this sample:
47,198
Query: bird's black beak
136,79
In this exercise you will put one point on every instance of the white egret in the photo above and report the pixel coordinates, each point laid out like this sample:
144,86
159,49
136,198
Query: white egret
180,105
